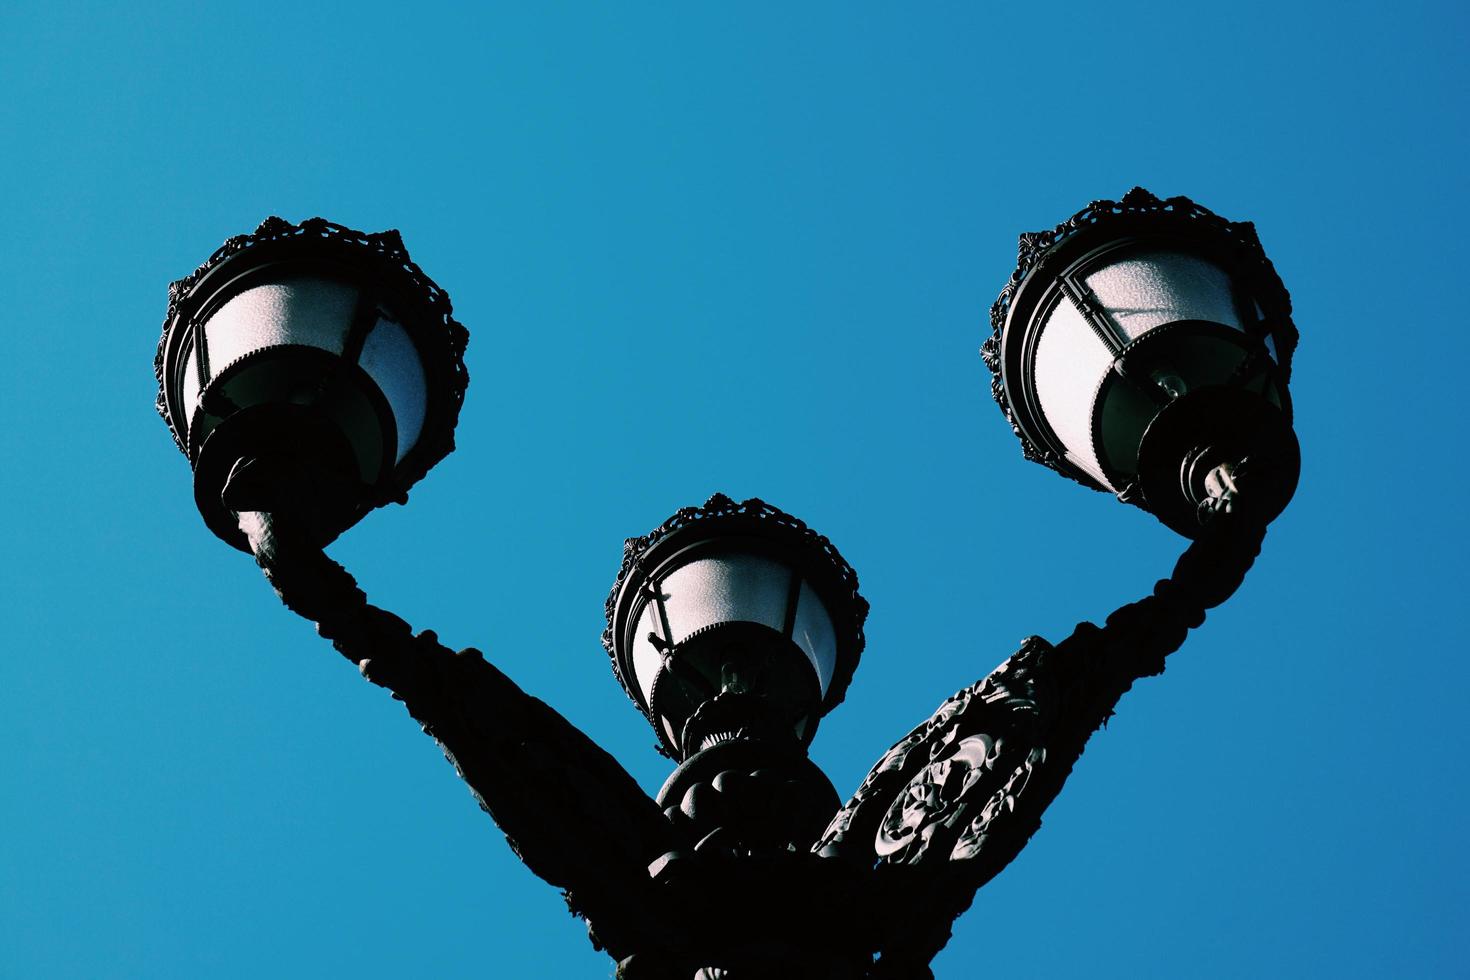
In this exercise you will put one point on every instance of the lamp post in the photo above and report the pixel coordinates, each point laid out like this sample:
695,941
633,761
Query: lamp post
311,373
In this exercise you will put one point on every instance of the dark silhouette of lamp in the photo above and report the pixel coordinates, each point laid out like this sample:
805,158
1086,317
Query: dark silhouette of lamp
321,353
1143,347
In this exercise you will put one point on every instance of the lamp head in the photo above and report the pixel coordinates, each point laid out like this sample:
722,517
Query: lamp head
1143,344
322,348
731,618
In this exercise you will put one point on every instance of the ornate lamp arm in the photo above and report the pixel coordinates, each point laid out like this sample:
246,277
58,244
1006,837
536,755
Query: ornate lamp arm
948,807
568,809
1135,639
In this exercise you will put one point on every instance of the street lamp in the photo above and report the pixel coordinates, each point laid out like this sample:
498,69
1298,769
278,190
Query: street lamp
724,618
1143,347
318,344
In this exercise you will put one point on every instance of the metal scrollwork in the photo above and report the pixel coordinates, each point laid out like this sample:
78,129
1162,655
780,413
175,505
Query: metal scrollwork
936,794
935,804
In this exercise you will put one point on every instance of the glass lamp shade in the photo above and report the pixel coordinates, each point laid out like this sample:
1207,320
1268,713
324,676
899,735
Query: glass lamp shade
735,599
1141,334
316,342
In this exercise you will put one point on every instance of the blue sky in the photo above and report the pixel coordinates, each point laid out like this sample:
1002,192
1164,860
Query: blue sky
745,248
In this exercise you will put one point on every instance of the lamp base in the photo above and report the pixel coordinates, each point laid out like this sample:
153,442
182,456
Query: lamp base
750,794
734,677
279,458
1209,433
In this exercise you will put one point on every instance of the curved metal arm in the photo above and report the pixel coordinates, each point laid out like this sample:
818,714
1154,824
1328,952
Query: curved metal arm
568,809
949,806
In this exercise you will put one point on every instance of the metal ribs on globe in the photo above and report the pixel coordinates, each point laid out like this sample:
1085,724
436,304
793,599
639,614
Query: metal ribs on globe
1032,246
385,245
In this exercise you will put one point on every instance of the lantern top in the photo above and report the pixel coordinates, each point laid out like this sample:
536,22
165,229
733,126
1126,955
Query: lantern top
1139,213
378,259
720,517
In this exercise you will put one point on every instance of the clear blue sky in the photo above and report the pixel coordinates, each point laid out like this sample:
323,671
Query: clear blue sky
746,249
